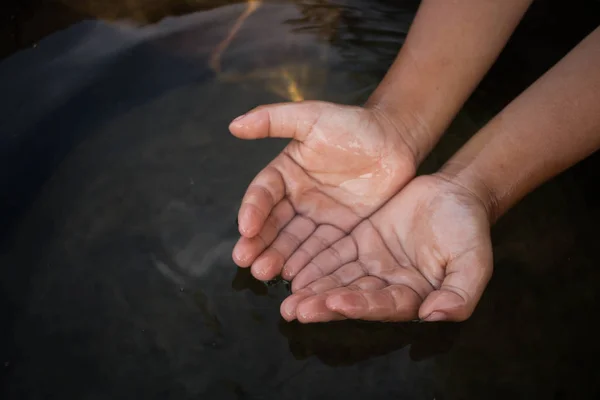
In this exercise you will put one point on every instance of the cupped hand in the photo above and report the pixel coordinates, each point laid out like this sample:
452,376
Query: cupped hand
342,164
426,254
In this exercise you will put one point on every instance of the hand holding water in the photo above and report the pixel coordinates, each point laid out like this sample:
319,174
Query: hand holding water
425,255
427,252
344,162
325,214
341,165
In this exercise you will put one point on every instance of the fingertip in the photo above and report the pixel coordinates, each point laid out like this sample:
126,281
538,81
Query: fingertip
286,317
304,313
293,266
314,310
287,275
288,310
264,269
444,305
241,255
247,231
304,306
252,125
250,221
436,316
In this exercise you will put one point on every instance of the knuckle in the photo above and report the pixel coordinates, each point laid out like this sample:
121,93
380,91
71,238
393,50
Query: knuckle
291,238
317,266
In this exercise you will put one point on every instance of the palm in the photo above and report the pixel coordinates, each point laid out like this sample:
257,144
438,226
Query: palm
342,164
428,249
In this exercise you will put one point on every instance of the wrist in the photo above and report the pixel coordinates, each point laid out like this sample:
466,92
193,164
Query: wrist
474,184
421,106
408,124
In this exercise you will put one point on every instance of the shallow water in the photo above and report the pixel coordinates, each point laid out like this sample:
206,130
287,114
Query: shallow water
120,185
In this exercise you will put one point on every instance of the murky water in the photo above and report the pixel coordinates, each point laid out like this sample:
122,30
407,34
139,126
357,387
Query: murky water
120,185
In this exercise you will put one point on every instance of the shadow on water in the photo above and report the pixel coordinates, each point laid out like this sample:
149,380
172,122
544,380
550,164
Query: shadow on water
348,342
119,190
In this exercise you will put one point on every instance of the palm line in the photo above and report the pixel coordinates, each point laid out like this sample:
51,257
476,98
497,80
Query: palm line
376,229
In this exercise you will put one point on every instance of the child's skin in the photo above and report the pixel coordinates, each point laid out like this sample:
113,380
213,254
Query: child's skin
340,212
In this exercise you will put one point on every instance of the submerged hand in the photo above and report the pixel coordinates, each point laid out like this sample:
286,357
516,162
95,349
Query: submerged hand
341,165
426,254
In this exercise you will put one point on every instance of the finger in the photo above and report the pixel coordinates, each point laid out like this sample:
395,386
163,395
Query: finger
314,309
465,281
340,253
323,237
269,264
289,305
341,277
350,274
247,249
265,191
392,303
283,120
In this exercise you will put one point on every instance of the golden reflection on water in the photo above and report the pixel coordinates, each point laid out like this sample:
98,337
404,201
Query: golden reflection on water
294,80
292,87
283,81
215,59
291,81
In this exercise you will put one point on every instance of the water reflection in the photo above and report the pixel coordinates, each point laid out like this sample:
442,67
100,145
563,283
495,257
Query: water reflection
215,59
123,184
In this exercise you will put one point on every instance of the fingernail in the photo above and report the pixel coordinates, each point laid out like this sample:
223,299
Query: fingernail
435,317
239,118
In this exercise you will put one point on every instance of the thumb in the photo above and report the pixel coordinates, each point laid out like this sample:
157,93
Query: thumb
464,283
283,120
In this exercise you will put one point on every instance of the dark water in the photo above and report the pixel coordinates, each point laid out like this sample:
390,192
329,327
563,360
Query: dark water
119,187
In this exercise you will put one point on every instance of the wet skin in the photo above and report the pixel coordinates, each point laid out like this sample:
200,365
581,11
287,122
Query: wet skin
341,165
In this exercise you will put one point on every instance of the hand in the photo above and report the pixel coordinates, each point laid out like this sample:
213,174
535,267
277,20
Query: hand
341,165
426,254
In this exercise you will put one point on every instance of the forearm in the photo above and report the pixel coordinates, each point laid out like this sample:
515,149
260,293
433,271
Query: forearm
551,126
449,48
